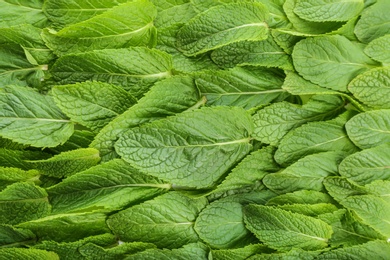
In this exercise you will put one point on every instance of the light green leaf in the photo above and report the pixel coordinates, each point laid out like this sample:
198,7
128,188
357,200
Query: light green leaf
311,138
283,230
372,87
374,22
15,237
307,173
371,250
67,163
340,188
92,104
193,149
167,97
239,253
277,17
19,158
372,210
72,227
12,175
21,202
368,165
135,69
129,24
301,197
189,251
379,188
246,87
173,12
328,10
111,185
285,40
255,53
221,224
167,221
293,254
65,12
297,85
79,139
369,129
273,122
311,210
93,251
28,117
330,61
230,23
378,49
27,254
247,175
15,12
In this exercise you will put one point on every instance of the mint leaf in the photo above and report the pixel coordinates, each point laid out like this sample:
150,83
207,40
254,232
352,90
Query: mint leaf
112,185
27,253
182,149
135,69
377,49
22,195
18,158
330,61
246,87
231,23
92,98
173,12
283,230
369,129
15,237
328,10
12,175
93,251
130,24
300,197
14,12
167,221
239,253
340,188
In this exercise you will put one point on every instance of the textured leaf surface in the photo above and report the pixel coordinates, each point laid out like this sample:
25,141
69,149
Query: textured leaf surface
12,175
119,252
130,24
92,104
328,10
22,202
276,120
330,61
28,117
15,12
18,158
112,185
246,87
27,253
238,253
165,98
13,237
222,25
369,129
167,221
300,197
378,49
135,69
173,12
372,87
192,149
284,230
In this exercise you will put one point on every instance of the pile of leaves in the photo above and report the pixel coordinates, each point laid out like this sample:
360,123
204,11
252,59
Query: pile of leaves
194,129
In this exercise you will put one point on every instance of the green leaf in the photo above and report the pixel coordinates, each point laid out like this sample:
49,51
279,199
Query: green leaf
65,12
68,227
255,53
285,40
189,251
15,12
340,188
283,230
311,138
29,37
374,22
28,117
297,85
372,210
230,23
330,61
135,69
167,221
273,122
193,149
370,250
129,24
79,139
167,97
112,186
368,165
300,197
379,188
239,253
19,158
92,251
369,129
12,175
378,49
328,10
293,254
15,237
221,224
22,202
312,210
173,12
307,173
27,254
372,87
92,104
246,87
